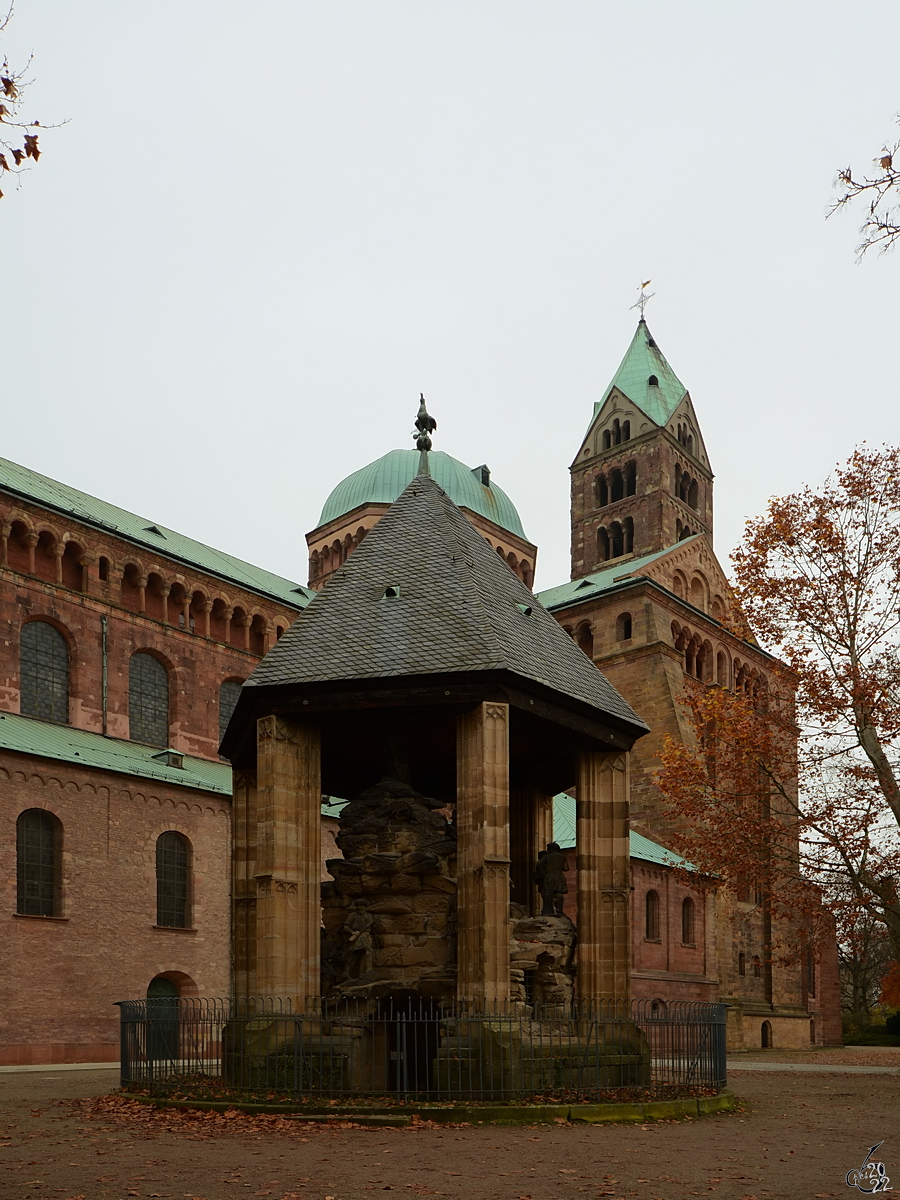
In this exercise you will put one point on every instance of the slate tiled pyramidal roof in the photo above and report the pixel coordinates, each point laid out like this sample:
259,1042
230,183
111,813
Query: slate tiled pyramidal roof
456,610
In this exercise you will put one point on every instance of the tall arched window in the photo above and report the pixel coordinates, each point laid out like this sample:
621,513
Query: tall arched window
148,700
687,922
623,627
38,863
630,478
44,672
228,698
585,638
651,911
173,862
742,963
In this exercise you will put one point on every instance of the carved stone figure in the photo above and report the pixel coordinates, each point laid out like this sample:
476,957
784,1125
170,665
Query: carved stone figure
358,953
550,877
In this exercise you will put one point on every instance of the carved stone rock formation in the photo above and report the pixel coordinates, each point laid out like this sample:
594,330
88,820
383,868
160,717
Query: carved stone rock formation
541,952
399,867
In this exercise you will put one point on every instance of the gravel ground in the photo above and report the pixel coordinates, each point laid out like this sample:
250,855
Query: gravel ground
797,1136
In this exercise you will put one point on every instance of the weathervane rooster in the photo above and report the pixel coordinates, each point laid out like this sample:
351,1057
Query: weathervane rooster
425,426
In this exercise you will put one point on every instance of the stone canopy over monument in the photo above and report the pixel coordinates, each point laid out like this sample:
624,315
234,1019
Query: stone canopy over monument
429,687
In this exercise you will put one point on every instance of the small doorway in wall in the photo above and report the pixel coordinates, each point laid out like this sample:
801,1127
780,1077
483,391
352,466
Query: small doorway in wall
162,1018
767,1035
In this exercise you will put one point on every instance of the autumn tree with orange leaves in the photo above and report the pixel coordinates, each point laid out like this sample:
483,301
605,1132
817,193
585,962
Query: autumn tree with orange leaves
18,138
793,793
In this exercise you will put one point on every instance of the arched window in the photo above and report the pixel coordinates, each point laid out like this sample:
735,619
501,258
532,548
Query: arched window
693,494
228,698
626,431
617,543
103,569
721,669
601,491
630,478
173,862
44,673
651,915
73,566
628,535
148,700
585,639
654,382
616,485
38,863
607,439
766,1035
602,545
623,627
617,432
258,635
688,937
757,967
742,963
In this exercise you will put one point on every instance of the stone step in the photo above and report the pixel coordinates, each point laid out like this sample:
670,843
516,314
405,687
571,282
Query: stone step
357,1118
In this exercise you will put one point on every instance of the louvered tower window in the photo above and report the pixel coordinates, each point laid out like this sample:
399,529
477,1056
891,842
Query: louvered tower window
148,700
228,698
173,853
38,855
44,673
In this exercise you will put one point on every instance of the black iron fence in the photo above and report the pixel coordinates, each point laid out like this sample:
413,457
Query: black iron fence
420,1051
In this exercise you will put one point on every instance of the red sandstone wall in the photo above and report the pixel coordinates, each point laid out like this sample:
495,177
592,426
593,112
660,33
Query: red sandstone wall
60,977
74,598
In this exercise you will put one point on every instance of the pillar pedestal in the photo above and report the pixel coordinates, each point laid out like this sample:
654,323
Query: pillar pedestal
482,818
604,877
288,909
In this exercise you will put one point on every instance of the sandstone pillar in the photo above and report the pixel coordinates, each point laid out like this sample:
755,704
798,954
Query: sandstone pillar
604,877
243,884
288,909
482,815
531,828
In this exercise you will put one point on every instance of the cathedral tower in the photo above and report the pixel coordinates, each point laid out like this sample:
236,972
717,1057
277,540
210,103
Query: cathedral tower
641,481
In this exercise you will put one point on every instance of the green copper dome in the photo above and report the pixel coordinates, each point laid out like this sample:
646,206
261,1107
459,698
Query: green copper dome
382,481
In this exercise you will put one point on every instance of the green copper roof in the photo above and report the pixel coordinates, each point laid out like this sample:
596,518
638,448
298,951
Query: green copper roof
382,481
61,498
642,360
599,581
28,735
641,847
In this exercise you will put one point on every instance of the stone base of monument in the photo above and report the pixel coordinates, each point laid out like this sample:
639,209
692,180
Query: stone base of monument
505,1058
371,1050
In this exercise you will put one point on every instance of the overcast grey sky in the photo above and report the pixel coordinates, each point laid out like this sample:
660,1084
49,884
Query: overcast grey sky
269,226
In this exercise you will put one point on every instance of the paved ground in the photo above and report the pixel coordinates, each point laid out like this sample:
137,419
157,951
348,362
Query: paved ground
797,1136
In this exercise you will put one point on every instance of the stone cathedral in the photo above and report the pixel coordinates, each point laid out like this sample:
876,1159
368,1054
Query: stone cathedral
466,723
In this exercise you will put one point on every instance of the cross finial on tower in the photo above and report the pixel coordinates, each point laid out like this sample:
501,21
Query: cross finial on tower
643,299
425,426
